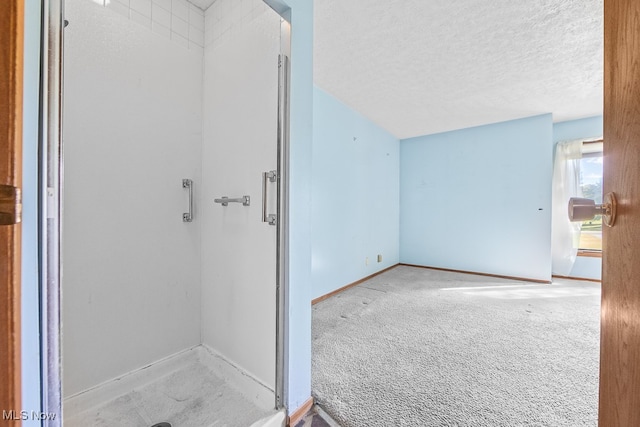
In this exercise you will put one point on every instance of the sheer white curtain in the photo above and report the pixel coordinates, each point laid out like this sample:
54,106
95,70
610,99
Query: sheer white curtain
565,235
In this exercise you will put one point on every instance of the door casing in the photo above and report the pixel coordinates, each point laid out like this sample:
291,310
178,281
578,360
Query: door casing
11,98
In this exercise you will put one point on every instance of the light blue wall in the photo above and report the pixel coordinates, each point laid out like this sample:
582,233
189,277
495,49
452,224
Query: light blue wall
355,196
585,267
298,345
479,199
30,297
577,129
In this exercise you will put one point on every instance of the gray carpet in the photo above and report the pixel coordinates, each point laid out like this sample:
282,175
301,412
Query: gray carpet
419,347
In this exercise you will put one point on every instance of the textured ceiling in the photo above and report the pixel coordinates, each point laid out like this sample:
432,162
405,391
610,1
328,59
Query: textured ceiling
202,4
418,67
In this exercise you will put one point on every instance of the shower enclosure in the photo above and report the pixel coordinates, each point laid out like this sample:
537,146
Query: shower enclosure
175,139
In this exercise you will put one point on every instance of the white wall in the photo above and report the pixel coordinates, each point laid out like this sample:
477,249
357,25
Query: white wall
132,131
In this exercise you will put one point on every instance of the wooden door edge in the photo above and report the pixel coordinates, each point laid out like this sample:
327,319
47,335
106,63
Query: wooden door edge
11,81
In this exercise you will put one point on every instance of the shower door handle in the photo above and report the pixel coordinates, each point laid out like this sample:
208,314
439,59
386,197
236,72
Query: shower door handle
188,216
270,176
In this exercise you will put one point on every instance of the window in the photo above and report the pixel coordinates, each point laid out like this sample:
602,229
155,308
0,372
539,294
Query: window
591,186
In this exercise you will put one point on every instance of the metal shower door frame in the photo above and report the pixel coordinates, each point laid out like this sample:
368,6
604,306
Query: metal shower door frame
282,210
282,232
49,207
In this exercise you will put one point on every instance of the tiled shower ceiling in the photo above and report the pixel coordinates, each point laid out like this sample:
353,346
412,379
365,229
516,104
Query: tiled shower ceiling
418,67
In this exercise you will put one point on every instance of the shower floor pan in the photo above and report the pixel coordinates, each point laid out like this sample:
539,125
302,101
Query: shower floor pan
194,388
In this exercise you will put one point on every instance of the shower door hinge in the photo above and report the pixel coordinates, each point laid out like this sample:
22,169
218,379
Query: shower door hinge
10,205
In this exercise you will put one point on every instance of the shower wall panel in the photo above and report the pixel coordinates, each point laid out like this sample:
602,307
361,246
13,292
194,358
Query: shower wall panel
132,131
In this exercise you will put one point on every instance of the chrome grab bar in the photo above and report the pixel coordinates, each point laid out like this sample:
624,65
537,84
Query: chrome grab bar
245,200
270,176
188,216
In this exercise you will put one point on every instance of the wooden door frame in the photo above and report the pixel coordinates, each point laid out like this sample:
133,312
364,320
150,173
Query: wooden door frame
11,81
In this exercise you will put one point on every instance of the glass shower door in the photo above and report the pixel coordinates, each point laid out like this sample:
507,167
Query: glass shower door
240,188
